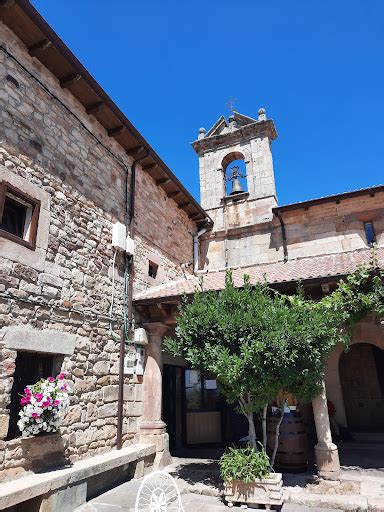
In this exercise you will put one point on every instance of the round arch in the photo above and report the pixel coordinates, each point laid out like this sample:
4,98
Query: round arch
231,157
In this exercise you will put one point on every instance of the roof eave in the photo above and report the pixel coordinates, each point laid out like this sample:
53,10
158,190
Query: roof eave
191,206
328,199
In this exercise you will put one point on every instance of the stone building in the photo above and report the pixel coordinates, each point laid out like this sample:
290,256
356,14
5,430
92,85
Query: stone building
73,169
316,242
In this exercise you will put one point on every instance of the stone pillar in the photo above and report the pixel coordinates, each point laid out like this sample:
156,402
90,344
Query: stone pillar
152,427
327,455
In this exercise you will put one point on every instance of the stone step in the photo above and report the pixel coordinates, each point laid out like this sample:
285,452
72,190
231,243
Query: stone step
346,503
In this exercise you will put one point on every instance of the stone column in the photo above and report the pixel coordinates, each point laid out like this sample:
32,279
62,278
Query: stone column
152,427
327,455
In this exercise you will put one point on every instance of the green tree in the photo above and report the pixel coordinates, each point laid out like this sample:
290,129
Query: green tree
258,341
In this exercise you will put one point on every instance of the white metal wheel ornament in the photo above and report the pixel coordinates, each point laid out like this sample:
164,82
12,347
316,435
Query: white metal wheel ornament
158,492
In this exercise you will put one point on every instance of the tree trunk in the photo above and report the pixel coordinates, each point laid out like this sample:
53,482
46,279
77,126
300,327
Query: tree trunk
252,431
265,426
277,437
246,408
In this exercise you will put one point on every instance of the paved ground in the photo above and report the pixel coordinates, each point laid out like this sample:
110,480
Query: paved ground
361,487
122,499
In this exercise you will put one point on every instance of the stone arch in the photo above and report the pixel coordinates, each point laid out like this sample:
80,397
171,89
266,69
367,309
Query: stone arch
226,157
231,157
367,331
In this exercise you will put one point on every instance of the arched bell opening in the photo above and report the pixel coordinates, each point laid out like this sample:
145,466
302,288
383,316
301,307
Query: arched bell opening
235,174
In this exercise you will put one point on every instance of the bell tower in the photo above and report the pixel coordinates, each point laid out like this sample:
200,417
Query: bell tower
238,138
237,183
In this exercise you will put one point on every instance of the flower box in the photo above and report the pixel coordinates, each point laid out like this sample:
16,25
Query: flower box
263,491
42,406
43,452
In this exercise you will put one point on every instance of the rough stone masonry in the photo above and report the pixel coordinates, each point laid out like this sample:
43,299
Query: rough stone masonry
56,299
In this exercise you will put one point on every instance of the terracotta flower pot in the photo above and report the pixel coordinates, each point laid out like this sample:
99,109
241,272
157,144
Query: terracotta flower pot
264,491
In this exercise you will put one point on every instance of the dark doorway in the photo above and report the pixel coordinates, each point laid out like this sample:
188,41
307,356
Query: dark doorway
196,414
362,381
173,404
30,367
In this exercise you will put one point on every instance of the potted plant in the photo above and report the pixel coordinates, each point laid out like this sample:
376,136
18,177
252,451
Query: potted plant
43,405
248,479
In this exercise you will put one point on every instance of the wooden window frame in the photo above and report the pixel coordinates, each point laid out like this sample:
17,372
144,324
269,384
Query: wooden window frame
35,203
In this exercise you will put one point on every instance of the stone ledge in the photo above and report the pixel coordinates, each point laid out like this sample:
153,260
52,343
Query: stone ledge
50,341
26,488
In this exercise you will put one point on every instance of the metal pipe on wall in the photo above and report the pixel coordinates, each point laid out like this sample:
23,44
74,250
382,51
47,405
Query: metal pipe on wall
129,215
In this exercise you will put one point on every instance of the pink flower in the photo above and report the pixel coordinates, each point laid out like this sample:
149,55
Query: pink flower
25,400
63,387
51,379
38,396
56,402
27,391
61,376
47,403
35,415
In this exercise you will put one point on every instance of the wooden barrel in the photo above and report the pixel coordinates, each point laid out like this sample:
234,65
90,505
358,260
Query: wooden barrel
292,451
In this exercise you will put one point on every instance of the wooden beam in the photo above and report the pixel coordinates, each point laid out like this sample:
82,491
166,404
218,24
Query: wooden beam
42,45
115,131
149,166
7,3
69,80
174,194
133,150
194,216
94,108
183,205
163,181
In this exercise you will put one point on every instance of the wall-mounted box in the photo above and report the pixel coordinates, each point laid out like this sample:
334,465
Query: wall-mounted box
119,234
140,336
130,246
134,361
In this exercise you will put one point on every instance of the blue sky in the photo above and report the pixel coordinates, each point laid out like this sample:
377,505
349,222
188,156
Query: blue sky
172,66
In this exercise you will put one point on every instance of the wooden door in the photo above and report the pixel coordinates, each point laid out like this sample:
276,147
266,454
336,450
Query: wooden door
360,375
202,404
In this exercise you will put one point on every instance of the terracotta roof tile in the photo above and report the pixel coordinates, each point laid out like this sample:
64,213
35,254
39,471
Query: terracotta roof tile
293,270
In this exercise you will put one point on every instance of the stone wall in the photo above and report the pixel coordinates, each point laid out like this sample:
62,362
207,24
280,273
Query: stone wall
50,149
163,234
251,235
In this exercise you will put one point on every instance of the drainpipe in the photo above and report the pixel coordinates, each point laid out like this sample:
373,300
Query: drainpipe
196,249
283,235
129,215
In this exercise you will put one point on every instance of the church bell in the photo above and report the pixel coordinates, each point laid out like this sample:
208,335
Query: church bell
236,187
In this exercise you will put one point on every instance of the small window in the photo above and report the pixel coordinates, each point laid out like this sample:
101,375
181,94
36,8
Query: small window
370,233
19,215
201,391
30,367
152,269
